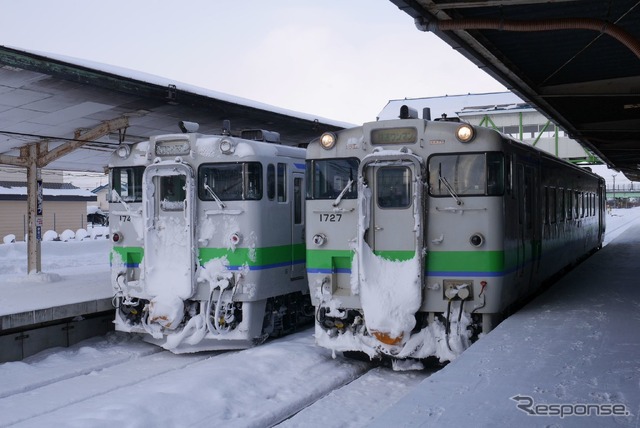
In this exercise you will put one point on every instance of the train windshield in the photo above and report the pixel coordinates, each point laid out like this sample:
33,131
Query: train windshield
127,183
330,178
466,174
236,181
393,187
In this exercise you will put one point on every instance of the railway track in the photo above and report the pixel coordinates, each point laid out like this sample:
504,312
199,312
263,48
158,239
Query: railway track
117,379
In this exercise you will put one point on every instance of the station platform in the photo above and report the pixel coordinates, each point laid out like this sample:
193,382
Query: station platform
570,358
40,311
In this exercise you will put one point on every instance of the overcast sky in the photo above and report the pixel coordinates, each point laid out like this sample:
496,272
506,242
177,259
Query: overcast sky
339,59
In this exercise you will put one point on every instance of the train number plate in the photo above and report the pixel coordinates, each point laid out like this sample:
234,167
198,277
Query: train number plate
330,217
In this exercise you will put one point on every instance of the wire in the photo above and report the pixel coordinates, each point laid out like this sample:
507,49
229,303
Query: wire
45,137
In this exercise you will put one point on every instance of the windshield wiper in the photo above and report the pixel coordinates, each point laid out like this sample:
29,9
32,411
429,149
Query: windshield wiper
450,189
221,204
339,198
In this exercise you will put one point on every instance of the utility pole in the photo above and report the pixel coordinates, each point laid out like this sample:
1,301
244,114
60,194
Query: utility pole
615,203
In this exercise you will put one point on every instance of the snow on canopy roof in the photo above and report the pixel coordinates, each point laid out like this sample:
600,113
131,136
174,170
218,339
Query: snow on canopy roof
162,81
48,189
451,105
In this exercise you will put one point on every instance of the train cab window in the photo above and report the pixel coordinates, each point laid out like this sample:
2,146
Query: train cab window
466,174
230,181
327,179
172,192
393,187
127,183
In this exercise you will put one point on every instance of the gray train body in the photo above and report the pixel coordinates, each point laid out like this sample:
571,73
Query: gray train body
418,240
208,246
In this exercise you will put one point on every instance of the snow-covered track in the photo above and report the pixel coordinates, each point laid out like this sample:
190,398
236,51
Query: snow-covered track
118,380
368,396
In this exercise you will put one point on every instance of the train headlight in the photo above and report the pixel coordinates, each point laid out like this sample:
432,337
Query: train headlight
123,150
328,140
465,133
319,239
476,240
226,146
116,237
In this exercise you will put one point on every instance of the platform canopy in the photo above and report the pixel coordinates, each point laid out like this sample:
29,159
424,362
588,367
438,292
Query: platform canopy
578,62
77,112
68,114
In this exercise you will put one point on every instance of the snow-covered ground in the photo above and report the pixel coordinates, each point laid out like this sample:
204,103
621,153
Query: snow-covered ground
118,380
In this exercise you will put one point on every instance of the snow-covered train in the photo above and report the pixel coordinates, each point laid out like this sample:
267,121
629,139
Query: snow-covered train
421,233
208,239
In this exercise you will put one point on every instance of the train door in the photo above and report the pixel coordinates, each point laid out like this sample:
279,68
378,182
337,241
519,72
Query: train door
394,231
528,251
601,210
168,210
297,228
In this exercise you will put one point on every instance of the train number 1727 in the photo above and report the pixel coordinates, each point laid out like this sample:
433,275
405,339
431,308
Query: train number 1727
330,217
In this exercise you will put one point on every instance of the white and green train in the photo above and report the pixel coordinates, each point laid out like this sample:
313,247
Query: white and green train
208,239
421,234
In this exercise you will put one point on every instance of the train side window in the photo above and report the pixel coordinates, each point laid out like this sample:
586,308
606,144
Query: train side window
550,205
509,174
281,180
297,200
585,204
271,182
560,205
547,211
495,174
569,207
127,183
252,181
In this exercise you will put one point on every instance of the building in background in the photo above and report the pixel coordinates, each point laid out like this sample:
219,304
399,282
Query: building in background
504,112
64,205
101,193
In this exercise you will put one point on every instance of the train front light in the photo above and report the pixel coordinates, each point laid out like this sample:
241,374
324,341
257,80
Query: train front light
328,140
465,133
227,146
123,150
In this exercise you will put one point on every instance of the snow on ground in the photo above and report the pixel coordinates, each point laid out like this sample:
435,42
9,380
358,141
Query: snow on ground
74,271
118,380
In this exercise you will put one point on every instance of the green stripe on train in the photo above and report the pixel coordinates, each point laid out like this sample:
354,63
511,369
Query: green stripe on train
469,261
255,257
437,261
129,255
263,256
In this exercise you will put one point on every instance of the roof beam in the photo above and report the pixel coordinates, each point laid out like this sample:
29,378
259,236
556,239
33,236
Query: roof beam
101,130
